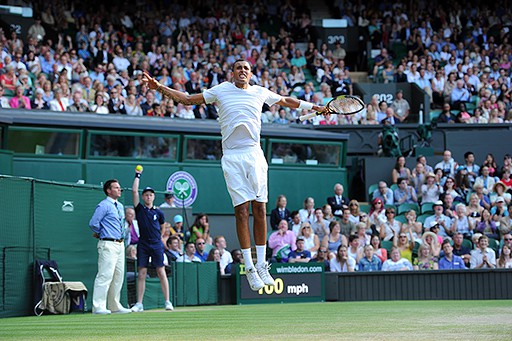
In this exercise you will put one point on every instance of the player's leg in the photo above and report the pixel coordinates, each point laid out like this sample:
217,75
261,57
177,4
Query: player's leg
260,237
244,238
165,286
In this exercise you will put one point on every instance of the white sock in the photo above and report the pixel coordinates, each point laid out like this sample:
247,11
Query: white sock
261,251
247,258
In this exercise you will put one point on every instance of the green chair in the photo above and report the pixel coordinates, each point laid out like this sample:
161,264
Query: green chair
421,219
495,245
387,244
393,187
467,243
434,114
401,218
364,207
208,247
372,189
404,208
427,207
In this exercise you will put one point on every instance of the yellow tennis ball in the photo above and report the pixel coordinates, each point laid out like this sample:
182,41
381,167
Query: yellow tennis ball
139,168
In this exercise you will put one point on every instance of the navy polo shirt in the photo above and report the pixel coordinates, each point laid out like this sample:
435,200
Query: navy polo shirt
149,220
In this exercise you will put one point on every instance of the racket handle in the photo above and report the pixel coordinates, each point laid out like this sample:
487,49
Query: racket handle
308,116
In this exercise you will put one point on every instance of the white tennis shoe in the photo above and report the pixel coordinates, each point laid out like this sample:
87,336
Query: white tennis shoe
264,274
137,308
168,305
254,279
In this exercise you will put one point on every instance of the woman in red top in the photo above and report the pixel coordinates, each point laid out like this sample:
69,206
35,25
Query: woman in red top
9,79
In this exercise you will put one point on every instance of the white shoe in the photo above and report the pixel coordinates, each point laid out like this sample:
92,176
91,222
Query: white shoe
137,308
254,279
168,305
102,312
264,274
122,311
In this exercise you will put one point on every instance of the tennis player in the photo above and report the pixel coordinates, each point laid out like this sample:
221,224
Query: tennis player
243,163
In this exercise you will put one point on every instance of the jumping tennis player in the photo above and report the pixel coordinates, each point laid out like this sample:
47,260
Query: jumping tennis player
243,163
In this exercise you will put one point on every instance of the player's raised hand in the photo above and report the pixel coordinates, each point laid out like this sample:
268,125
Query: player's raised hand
150,81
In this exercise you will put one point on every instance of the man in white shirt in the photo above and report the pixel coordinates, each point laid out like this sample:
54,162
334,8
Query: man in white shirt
225,256
483,257
448,165
240,120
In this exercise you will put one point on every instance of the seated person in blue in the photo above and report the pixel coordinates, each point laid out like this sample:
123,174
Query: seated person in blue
237,259
450,261
299,255
369,262
321,257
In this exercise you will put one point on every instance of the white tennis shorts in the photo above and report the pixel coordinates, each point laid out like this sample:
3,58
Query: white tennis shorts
245,171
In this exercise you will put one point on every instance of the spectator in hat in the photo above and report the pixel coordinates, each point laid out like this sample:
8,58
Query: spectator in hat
499,190
438,218
299,255
430,190
169,201
177,228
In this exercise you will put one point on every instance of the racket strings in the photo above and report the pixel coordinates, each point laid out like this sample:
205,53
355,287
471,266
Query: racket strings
345,105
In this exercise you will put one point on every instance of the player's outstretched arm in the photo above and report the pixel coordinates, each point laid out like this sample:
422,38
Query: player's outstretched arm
294,103
175,95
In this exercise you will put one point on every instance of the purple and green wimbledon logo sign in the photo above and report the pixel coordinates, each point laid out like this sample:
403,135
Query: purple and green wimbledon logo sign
184,187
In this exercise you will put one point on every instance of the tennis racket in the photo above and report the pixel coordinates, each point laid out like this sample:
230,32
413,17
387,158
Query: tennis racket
344,105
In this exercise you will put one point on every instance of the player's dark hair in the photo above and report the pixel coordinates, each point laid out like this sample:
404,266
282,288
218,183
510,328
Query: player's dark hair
237,61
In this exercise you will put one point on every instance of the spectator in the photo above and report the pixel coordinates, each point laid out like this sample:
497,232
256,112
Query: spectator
38,102
295,224
431,190
338,200
116,104
177,229
355,211
133,106
225,256
280,212
450,261
311,240
400,171
99,106
173,251
485,180
369,262
4,101
425,260
200,250
319,226
483,257
390,227
487,226
505,261
460,250
20,101
168,201
431,239
439,218
8,80
78,104
341,262
384,193
282,242
404,194
395,263
190,257
412,226
321,258
483,199
307,213
299,255
238,258
131,226
334,239
59,103
200,229
461,223
405,243
377,214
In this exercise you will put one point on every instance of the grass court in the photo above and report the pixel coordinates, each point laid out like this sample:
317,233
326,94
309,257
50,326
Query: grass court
396,320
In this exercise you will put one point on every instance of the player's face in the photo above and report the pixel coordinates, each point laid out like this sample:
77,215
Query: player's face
242,73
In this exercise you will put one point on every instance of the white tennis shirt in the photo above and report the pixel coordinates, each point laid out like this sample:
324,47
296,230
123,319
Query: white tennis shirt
240,112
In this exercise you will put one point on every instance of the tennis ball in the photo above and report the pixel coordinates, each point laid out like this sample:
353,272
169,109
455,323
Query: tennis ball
139,168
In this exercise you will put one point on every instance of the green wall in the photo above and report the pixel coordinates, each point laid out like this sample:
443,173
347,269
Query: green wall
296,182
6,162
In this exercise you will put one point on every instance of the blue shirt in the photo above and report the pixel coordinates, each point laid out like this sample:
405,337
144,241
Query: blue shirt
456,263
374,265
297,254
202,257
108,219
149,220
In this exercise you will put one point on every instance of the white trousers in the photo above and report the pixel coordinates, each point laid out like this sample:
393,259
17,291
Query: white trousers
110,277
